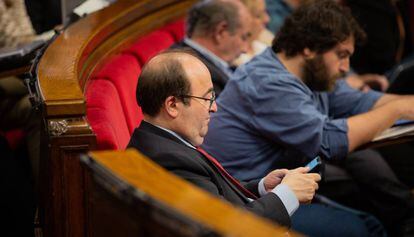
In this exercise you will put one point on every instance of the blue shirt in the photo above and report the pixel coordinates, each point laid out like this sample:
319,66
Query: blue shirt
278,10
267,118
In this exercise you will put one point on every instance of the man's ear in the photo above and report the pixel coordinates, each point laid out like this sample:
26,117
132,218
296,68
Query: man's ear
172,106
220,31
308,54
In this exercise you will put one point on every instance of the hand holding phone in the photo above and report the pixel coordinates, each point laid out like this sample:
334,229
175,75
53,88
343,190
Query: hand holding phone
315,166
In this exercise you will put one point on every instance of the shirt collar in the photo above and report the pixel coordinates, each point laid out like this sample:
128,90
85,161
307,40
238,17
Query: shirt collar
177,136
211,56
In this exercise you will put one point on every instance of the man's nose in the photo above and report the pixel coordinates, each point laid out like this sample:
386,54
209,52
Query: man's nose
344,66
265,18
245,46
213,108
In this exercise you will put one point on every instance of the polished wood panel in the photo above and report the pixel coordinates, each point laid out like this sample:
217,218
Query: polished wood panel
68,62
64,193
158,191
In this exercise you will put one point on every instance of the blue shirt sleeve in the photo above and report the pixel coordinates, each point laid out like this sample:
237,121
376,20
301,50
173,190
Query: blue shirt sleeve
345,101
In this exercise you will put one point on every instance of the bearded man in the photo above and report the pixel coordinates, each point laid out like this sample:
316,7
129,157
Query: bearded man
287,106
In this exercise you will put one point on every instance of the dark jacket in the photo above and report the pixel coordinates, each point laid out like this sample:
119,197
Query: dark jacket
172,154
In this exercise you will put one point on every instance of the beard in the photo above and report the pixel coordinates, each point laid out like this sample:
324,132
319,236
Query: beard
316,75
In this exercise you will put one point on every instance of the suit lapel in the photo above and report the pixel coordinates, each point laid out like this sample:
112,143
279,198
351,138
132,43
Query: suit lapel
153,129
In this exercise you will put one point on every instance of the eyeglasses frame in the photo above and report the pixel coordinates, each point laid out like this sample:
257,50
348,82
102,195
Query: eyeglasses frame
212,99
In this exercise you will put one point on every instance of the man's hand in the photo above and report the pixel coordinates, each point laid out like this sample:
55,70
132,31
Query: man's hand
355,82
366,81
303,184
405,104
274,178
375,81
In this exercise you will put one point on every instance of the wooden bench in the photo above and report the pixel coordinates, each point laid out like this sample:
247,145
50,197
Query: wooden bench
133,196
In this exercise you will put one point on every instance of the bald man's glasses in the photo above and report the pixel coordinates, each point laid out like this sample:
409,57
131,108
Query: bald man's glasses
211,99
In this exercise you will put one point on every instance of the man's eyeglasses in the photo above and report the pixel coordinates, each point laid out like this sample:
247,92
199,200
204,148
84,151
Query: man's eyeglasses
211,99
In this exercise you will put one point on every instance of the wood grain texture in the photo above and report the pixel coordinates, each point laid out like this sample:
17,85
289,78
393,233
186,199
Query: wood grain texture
69,61
152,182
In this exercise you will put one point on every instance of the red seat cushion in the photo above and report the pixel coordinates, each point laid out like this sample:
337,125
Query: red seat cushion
123,71
176,29
149,45
105,115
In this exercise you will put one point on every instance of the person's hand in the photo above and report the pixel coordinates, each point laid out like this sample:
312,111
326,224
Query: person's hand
366,82
375,81
274,178
303,184
357,83
405,106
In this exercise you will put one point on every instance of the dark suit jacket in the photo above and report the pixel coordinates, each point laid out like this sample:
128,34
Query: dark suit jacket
171,153
218,77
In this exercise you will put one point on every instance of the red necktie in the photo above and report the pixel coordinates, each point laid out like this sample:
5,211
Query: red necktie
235,182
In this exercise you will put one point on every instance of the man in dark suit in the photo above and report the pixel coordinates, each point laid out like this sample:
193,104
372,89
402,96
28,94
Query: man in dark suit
176,95
217,32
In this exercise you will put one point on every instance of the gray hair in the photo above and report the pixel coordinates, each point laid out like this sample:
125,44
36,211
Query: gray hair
204,16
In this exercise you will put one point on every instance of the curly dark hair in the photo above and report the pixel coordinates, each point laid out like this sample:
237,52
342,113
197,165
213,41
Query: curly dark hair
318,25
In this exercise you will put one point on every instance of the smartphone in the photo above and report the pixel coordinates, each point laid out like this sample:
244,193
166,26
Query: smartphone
314,165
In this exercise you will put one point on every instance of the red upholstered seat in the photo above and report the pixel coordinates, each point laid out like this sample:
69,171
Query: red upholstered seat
176,29
105,115
123,70
151,44
111,104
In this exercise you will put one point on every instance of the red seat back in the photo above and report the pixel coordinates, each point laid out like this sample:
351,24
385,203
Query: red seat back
176,29
106,116
123,71
149,45
111,102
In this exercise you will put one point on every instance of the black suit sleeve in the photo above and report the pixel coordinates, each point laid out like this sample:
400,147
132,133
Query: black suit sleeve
269,206
252,186
282,216
199,180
